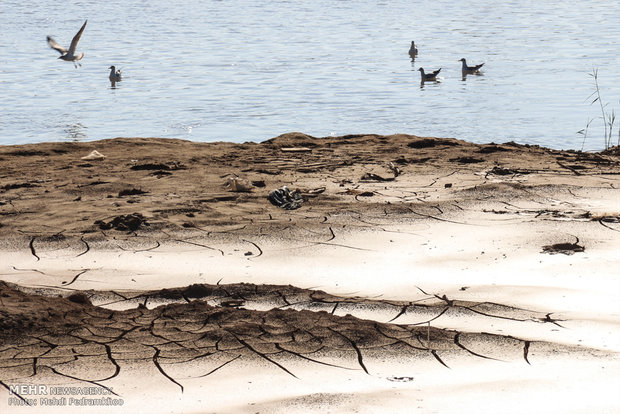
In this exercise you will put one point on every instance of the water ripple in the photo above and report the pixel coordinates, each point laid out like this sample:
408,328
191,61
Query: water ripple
241,70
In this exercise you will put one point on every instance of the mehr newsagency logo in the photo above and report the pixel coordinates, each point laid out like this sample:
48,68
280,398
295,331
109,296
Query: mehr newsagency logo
44,395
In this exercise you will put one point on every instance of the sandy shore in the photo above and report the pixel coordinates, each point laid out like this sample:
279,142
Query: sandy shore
414,275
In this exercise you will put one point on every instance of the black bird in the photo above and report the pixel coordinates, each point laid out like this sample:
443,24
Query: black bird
413,50
429,76
115,74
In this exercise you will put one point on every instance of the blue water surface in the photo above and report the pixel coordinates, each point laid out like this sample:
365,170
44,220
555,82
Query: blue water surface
241,70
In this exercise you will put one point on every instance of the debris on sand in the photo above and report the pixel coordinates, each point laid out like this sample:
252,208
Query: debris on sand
296,149
94,155
129,222
131,191
169,166
375,177
285,198
564,248
238,185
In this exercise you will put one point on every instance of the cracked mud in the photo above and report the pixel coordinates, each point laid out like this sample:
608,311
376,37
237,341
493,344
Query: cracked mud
46,336
410,206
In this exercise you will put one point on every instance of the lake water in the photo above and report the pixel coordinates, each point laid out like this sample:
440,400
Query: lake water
241,70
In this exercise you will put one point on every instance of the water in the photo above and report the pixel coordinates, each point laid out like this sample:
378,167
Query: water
241,71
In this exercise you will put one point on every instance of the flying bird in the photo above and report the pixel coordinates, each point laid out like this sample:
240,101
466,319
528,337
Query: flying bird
69,55
429,76
472,70
115,75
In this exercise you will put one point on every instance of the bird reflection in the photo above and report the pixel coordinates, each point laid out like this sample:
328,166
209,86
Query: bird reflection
413,50
470,70
428,77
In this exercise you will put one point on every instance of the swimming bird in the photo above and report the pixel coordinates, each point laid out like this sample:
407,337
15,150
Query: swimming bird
69,55
429,76
115,75
413,51
473,70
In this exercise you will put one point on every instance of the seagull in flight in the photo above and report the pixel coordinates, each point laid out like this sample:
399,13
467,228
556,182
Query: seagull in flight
69,55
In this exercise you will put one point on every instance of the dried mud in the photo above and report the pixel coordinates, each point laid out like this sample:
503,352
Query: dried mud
150,193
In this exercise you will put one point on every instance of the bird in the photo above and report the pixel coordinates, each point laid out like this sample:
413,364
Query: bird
473,70
115,75
429,76
69,55
413,51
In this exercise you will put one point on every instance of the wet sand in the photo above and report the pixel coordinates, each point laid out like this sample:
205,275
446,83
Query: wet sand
416,274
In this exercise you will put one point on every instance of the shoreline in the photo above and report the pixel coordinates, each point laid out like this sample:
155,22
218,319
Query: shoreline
495,247
153,173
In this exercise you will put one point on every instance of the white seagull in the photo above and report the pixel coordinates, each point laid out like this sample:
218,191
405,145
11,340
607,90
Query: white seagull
115,75
472,70
69,55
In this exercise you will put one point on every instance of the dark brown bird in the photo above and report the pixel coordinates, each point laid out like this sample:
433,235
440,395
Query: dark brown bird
429,76
115,74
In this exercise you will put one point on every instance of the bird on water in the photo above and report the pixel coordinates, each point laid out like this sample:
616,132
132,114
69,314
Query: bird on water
471,70
429,76
115,74
413,50
69,54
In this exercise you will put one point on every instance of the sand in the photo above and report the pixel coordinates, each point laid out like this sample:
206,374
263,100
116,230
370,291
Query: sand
415,275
